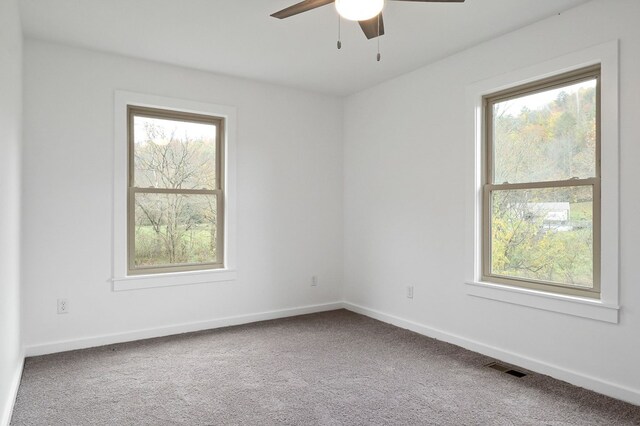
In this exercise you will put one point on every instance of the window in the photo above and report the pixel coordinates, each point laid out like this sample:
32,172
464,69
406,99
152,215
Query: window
541,185
564,293
206,251
175,205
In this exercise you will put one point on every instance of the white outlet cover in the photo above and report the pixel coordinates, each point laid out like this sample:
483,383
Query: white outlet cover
63,306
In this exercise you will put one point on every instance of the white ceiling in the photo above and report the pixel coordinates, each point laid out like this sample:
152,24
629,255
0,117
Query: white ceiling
238,37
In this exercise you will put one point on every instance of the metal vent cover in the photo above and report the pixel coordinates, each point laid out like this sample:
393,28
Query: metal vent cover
505,369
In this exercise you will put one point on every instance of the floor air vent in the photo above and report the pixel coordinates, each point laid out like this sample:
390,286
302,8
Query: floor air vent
505,369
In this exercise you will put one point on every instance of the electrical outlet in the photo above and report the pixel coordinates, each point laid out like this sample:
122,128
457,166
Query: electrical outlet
314,281
63,306
409,292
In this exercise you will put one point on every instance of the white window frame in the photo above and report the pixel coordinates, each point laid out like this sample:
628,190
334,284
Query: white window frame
606,308
122,280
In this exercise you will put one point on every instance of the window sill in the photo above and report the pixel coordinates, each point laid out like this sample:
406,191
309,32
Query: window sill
569,305
137,282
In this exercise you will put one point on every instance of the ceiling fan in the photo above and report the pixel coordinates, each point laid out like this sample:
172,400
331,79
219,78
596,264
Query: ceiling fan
368,13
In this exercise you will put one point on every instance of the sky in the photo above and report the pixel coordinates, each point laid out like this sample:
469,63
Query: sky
181,128
540,100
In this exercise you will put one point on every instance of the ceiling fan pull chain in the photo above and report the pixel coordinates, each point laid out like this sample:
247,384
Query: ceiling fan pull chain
378,38
339,37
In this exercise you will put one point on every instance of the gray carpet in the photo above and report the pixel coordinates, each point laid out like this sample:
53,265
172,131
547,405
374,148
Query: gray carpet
334,368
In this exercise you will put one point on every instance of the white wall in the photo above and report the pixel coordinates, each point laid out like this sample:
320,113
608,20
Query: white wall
289,198
10,146
405,146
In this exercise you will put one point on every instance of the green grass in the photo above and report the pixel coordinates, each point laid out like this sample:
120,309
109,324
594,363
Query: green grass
194,246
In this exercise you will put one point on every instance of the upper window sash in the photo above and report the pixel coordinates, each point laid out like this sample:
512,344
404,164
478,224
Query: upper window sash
167,115
513,94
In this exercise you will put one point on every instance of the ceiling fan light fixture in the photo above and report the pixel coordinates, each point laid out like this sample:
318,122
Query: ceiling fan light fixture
359,10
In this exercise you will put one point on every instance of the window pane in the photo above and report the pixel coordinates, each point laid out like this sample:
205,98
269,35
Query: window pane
173,229
543,234
546,136
174,154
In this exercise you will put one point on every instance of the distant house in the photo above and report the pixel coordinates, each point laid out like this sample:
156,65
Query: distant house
554,215
552,212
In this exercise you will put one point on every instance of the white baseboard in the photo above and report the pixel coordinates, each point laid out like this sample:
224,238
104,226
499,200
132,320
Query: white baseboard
7,410
575,378
108,339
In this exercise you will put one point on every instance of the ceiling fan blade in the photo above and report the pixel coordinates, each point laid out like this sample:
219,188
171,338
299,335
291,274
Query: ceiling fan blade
434,1
303,6
370,27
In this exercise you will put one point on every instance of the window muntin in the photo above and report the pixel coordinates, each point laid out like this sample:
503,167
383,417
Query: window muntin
541,215
176,191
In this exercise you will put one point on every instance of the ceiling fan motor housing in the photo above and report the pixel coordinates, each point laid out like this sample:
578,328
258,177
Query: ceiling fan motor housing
359,10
